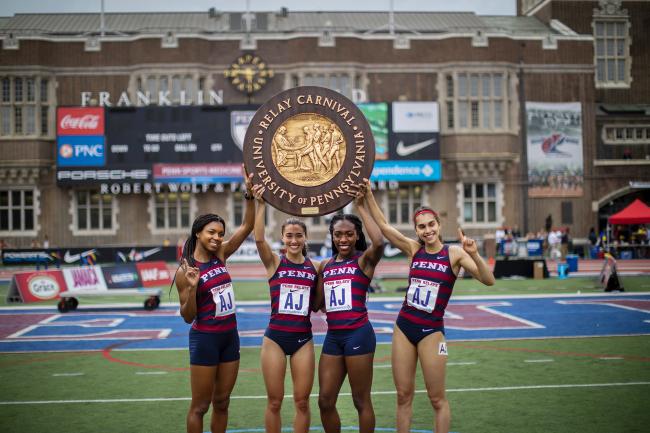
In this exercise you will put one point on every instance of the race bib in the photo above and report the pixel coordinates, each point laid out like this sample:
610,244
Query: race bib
294,299
422,294
224,299
338,295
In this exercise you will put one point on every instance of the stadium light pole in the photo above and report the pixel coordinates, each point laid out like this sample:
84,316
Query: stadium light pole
523,133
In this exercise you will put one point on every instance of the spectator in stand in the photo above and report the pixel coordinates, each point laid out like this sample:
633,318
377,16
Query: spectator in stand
593,237
554,239
35,244
499,236
564,242
46,243
516,233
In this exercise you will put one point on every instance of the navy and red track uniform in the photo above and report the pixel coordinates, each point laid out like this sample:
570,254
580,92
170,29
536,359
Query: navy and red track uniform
292,286
346,292
345,289
213,336
215,301
431,282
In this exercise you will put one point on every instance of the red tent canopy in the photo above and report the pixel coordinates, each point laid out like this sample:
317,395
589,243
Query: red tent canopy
635,213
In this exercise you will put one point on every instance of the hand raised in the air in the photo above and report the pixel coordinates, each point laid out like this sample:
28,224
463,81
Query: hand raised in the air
468,244
191,273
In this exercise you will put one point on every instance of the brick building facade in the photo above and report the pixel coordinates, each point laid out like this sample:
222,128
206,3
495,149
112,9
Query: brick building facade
483,71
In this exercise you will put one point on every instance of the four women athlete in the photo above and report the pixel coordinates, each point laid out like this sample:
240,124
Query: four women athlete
339,287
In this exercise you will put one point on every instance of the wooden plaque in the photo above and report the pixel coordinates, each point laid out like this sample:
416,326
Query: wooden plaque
307,145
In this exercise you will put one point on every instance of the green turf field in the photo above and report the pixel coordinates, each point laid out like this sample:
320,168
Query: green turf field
556,385
258,290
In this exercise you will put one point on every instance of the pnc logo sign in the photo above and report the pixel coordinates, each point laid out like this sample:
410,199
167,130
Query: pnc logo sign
78,150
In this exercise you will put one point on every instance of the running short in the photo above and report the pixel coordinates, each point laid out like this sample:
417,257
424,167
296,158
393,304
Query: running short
414,332
289,342
212,348
350,342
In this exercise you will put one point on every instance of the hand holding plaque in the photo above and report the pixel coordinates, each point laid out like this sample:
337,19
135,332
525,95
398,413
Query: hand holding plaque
308,146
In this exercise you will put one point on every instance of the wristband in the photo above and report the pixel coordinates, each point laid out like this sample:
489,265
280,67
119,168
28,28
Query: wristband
248,196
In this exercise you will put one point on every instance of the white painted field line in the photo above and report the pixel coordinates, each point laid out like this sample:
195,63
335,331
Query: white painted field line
539,360
263,397
150,372
448,364
67,374
611,358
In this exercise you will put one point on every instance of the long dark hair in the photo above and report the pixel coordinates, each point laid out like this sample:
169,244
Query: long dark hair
190,244
426,209
296,221
361,244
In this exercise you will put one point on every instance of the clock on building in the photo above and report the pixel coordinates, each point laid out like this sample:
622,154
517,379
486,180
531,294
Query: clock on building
248,73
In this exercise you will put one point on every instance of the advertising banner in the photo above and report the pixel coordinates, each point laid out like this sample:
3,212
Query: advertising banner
416,131
80,121
415,117
35,286
198,173
71,256
376,114
121,276
84,279
554,145
154,274
407,171
80,151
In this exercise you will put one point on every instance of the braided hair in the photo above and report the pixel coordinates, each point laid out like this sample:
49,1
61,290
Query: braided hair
190,244
361,244
296,221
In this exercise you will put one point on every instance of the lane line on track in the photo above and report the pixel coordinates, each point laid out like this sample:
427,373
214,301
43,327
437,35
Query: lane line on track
263,397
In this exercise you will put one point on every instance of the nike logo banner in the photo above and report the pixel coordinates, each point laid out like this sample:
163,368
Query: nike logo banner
414,145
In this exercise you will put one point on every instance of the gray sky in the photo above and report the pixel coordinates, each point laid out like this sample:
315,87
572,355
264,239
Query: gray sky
481,7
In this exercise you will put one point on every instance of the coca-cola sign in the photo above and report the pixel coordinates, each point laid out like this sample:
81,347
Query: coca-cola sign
80,121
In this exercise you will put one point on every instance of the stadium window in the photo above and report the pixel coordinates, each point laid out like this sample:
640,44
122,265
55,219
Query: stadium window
612,48
17,211
477,102
402,202
626,134
340,81
480,203
175,83
94,213
25,106
172,211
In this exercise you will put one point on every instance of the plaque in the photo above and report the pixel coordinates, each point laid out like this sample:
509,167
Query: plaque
307,145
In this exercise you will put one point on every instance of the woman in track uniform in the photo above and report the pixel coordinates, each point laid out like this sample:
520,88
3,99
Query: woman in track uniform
349,345
207,302
419,330
292,282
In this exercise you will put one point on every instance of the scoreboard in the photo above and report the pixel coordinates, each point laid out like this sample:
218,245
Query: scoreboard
99,143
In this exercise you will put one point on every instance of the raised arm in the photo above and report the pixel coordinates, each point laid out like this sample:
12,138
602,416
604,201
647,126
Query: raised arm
269,258
373,253
468,257
246,227
319,297
187,281
408,246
